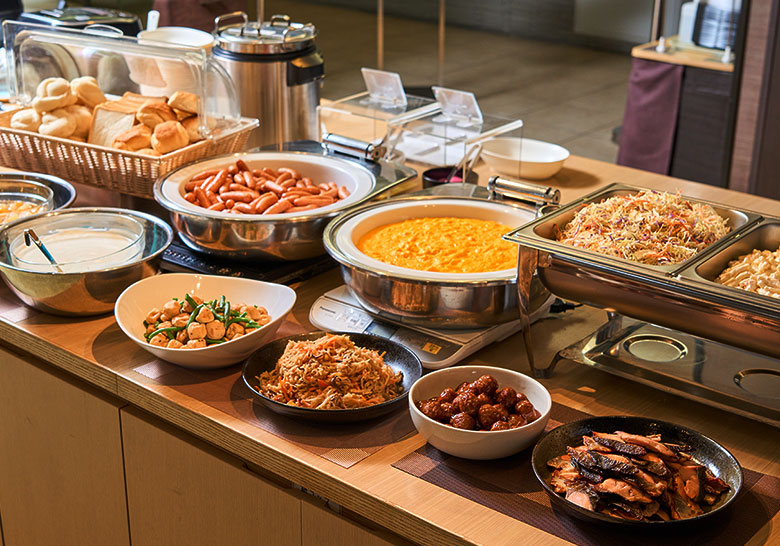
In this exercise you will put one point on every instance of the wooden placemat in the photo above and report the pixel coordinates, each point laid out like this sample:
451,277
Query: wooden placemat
509,486
225,390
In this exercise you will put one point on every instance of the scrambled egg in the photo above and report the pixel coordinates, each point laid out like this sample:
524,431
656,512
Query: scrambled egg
445,245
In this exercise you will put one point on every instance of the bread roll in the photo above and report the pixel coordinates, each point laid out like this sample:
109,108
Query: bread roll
134,98
169,136
26,119
58,123
87,91
83,117
152,113
135,138
53,93
191,125
110,119
182,100
148,151
181,115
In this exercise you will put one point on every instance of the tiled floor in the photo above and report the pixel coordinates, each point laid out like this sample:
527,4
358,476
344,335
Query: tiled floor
569,95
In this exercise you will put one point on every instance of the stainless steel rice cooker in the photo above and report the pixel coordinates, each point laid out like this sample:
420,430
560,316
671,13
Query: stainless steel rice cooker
277,70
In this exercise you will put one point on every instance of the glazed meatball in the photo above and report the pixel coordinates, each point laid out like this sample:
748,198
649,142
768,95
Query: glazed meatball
447,395
464,387
488,415
533,416
507,397
515,421
463,420
524,407
500,425
432,409
467,403
449,409
483,399
485,384
521,397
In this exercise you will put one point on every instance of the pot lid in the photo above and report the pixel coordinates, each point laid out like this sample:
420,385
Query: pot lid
278,35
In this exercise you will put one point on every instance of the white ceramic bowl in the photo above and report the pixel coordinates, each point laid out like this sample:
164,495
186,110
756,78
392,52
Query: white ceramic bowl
524,157
474,444
137,300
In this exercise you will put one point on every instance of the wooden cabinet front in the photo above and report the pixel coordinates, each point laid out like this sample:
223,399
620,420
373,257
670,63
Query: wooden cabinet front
183,491
61,476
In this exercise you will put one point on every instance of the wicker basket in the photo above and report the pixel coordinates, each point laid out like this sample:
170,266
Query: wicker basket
125,172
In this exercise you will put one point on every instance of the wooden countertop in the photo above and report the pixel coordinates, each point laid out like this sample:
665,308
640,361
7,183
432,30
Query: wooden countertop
95,350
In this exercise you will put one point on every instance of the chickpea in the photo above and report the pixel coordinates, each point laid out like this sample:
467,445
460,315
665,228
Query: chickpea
234,330
187,308
153,316
196,330
215,329
195,344
160,340
182,337
174,344
180,320
204,315
170,309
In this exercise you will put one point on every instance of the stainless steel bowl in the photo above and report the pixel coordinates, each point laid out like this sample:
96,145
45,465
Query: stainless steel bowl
294,236
433,300
64,193
82,289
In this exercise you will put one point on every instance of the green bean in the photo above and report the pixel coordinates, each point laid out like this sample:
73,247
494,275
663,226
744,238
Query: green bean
214,341
194,314
167,331
226,312
191,301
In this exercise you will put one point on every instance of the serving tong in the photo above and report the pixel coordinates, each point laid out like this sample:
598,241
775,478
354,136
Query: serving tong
30,238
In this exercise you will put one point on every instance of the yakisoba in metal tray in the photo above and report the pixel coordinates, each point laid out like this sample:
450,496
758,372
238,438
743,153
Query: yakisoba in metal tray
680,296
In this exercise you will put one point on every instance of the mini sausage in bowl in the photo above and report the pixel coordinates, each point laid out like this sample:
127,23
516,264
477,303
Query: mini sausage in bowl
271,205
457,410
202,321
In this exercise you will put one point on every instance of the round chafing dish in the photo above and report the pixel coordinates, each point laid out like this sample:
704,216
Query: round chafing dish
92,273
290,236
430,299
63,193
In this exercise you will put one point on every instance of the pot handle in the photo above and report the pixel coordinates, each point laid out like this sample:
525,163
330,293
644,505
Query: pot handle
219,20
520,190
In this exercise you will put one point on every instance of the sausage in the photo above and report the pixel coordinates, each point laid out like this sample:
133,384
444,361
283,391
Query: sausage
200,195
289,183
302,209
203,175
262,203
232,169
239,196
250,180
308,182
293,172
217,207
211,196
282,177
229,203
191,185
270,172
243,208
220,179
242,166
343,192
312,200
274,187
279,207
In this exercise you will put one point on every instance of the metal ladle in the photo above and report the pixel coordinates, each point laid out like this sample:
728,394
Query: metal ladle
31,237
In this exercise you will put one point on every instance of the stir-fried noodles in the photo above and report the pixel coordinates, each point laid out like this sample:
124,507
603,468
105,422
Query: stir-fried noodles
330,373
650,227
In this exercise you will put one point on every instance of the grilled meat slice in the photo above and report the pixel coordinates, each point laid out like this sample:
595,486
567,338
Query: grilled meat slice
612,464
586,473
622,489
680,505
679,448
653,464
693,478
647,443
619,446
640,511
582,495
558,462
714,483
617,513
590,444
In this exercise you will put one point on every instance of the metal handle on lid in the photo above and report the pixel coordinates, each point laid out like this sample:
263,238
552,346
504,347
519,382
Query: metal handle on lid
523,191
353,147
220,19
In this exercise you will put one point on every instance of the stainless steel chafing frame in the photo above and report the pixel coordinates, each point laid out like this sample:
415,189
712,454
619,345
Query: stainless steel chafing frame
666,297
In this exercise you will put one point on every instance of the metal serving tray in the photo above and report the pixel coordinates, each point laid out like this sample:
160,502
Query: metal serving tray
542,231
652,293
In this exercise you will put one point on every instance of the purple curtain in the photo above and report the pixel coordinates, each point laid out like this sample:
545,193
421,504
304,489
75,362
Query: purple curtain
198,14
647,136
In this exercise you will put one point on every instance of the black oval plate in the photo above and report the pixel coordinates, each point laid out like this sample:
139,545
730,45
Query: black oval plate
396,356
706,451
